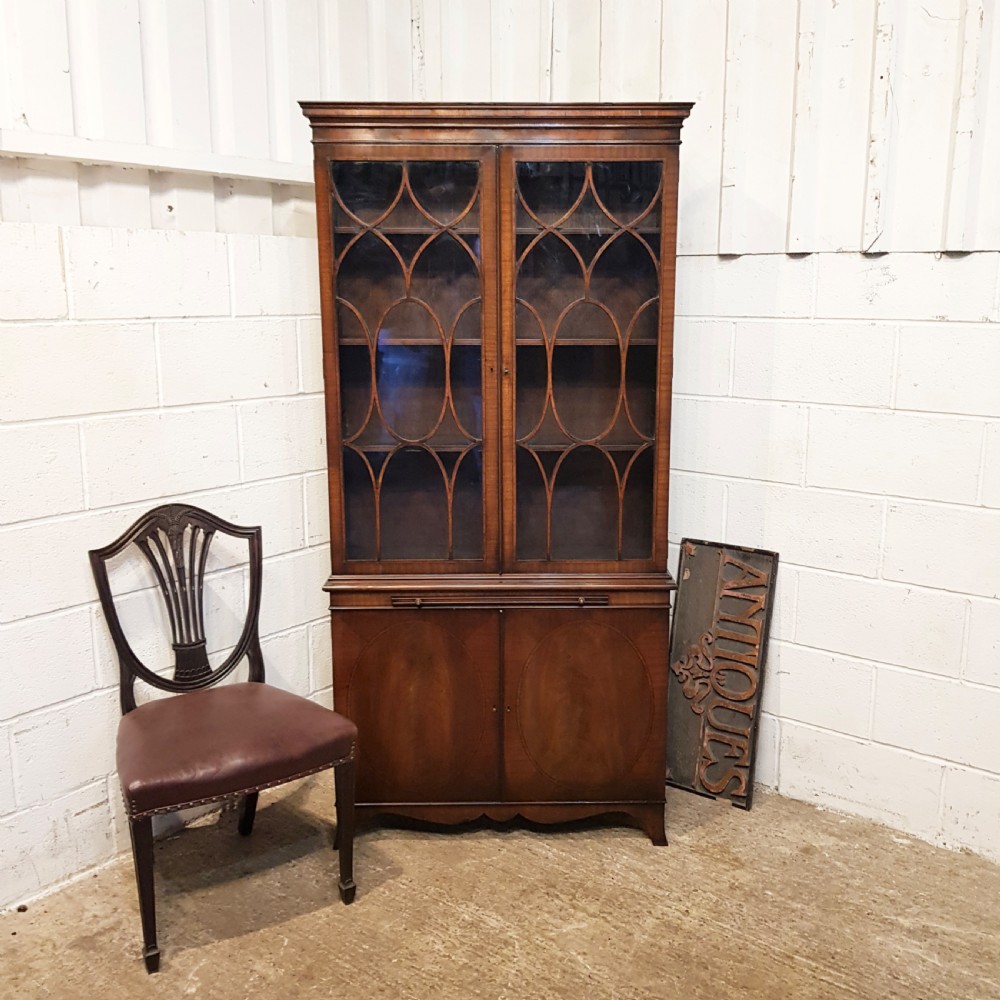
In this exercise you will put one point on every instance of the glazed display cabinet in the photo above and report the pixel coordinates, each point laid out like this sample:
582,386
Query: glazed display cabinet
497,292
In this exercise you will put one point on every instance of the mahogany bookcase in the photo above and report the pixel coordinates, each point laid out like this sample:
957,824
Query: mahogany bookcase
497,297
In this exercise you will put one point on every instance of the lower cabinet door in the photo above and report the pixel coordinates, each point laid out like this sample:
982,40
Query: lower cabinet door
584,705
423,689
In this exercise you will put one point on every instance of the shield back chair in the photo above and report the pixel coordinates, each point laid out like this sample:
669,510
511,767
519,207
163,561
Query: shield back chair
210,744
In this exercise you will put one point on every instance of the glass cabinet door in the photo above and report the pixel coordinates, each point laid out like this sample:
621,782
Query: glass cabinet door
409,285
585,347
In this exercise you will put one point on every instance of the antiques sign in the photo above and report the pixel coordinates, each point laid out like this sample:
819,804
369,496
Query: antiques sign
721,622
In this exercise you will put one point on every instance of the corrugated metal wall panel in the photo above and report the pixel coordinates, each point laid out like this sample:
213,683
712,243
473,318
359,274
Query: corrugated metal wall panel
973,208
575,72
872,125
696,71
757,133
830,127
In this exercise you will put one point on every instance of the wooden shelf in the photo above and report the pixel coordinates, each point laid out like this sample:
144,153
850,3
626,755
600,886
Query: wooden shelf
584,342
412,342
432,446
565,446
574,342
430,230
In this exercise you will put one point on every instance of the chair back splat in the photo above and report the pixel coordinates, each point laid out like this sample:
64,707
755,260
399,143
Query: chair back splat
175,541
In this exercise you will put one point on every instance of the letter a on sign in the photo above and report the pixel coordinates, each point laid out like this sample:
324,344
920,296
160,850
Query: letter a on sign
722,617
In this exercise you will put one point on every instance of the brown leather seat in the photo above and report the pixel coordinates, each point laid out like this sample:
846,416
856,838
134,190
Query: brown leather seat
168,750
210,743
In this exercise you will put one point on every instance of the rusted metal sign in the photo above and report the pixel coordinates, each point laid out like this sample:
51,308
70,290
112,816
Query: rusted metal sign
721,621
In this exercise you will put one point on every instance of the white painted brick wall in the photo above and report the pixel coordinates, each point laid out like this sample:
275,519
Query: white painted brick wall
936,458
82,366
130,273
933,372
815,362
880,487
983,664
702,351
56,551
256,258
310,355
766,285
697,506
43,845
54,659
285,655
320,656
42,471
250,358
908,286
750,440
317,509
131,374
876,621
991,466
870,779
971,810
938,716
284,436
796,673
808,526
943,546
159,454
60,749
31,272
8,803
291,594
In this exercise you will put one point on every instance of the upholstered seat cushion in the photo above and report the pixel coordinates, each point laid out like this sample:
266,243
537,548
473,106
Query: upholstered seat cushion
207,744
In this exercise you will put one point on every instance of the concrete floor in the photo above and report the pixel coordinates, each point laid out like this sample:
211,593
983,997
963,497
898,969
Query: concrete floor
784,902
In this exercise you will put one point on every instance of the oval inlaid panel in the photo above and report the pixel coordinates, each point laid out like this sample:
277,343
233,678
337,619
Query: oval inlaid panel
416,700
530,507
584,679
366,188
585,506
532,376
370,278
640,387
444,188
586,385
413,506
627,188
637,507
355,388
445,277
526,327
467,506
409,376
550,277
467,388
624,277
359,506
587,321
550,190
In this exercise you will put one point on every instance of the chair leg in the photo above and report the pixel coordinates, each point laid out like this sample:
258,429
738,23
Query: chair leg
343,777
248,810
142,854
